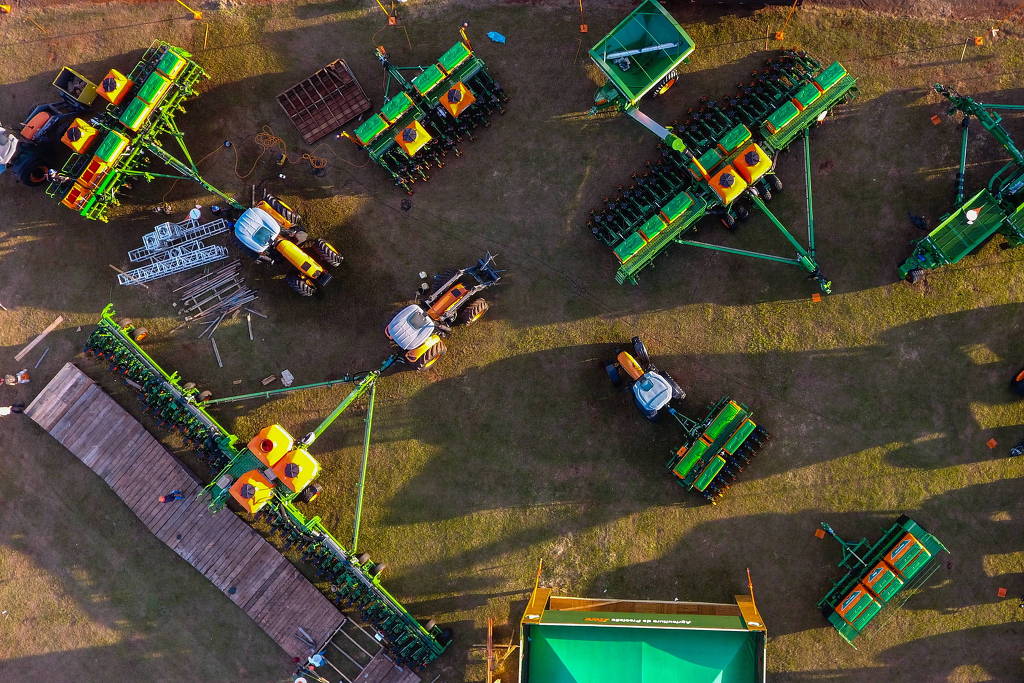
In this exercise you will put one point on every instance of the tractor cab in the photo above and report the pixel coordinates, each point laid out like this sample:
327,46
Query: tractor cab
8,148
652,392
410,328
257,229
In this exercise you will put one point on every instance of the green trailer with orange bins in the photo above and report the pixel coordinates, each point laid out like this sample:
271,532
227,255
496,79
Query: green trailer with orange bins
269,476
879,576
120,142
720,160
431,113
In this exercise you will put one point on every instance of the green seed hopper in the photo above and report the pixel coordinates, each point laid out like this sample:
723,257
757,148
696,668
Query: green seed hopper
352,580
720,161
120,143
430,114
879,576
999,208
716,448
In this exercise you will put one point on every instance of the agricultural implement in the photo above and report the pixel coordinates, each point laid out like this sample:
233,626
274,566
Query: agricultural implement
879,576
716,448
429,115
417,331
111,147
268,476
272,227
720,161
995,209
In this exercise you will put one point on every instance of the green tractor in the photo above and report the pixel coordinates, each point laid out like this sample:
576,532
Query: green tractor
716,447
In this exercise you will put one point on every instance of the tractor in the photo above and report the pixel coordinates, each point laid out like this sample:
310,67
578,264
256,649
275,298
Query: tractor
652,389
272,226
716,447
453,299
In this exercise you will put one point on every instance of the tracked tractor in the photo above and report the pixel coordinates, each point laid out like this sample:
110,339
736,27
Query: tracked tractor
716,447
273,227
453,299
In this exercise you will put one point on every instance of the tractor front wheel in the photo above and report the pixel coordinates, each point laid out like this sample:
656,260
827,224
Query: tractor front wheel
324,251
473,312
640,353
430,356
299,284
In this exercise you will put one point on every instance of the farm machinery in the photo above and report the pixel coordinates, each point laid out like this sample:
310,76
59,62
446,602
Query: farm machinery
268,477
270,227
430,114
417,331
109,147
998,208
720,160
879,576
716,447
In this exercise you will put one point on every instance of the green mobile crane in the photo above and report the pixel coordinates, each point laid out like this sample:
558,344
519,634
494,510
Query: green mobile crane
997,208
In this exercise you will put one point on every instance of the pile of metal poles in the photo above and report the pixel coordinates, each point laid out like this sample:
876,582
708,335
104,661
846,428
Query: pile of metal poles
211,298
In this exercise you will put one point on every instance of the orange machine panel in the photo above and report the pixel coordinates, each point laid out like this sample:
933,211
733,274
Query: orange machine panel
297,469
252,491
270,444
114,87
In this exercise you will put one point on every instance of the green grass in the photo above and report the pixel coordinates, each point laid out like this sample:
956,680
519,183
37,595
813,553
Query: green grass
514,449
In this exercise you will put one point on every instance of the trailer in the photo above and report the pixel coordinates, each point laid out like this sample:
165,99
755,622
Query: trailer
880,576
430,114
268,476
996,209
720,160
324,102
113,146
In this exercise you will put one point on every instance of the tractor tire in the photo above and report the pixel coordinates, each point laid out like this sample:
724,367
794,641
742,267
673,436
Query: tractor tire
742,213
363,558
640,353
34,174
139,333
377,568
776,183
766,195
1017,383
677,391
430,356
324,251
299,284
915,275
472,312
310,493
728,221
665,84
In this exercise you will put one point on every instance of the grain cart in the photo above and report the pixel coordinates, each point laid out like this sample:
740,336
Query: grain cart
110,147
720,160
879,576
268,476
997,208
272,226
716,448
417,331
429,115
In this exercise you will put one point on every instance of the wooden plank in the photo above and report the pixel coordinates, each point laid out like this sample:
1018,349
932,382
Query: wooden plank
235,549
219,541
70,418
49,328
125,460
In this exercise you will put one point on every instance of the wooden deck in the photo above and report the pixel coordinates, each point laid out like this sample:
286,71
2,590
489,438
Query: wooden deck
226,550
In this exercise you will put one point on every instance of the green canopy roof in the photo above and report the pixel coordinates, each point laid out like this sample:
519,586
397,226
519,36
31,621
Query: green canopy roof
647,26
593,654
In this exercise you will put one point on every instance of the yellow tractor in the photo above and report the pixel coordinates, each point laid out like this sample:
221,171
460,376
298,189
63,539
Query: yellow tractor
417,330
272,226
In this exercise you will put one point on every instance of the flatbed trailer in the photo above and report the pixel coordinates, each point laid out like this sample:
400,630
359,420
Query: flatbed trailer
324,102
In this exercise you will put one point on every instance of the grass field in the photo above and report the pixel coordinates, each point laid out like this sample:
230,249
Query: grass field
514,449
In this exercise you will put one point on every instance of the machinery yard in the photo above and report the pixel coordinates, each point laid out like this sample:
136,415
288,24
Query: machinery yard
882,380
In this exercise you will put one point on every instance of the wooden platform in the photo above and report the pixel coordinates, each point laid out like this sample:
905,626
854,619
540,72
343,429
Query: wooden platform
226,550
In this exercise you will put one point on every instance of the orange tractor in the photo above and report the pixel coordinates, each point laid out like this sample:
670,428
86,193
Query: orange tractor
454,299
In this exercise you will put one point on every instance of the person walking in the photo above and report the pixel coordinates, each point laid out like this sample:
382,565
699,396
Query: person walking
174,495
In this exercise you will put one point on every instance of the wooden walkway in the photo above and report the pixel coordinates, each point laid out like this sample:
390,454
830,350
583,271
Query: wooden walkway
226,550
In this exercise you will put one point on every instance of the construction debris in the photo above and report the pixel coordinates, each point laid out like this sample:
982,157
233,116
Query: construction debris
211,298
49,328
45,351
287,378
174,248
268,380
216,352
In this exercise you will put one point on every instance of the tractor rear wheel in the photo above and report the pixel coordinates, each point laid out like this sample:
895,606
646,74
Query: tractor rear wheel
430,356
324,251
640,353
34,174
915,275
299,284
472,312
1017,383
